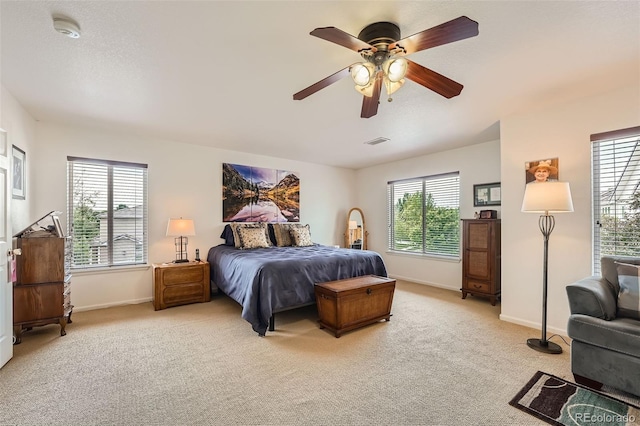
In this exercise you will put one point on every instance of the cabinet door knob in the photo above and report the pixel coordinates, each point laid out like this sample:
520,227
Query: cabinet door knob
369,291
14,252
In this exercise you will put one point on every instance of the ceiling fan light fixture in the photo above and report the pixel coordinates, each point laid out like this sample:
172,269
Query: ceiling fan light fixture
365,90
362,73
392,86
395,69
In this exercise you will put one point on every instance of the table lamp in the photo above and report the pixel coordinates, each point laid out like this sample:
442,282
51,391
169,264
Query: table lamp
181,228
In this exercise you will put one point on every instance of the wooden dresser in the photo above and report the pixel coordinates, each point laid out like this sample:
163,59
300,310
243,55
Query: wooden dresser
177,284
481,258
42,289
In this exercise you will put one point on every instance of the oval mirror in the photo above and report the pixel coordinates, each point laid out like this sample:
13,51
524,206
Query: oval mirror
355,236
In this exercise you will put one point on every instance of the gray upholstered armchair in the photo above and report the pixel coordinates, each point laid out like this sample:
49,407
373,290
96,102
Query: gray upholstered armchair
605,328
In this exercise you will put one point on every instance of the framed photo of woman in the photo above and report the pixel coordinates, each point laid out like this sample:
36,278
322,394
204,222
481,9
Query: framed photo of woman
541,170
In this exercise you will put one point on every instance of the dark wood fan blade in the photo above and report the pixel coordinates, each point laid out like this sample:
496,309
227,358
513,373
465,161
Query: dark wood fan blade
338,36
370,104
321,84
457,29
432,80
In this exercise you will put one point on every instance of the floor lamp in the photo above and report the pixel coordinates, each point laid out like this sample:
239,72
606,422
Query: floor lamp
546,198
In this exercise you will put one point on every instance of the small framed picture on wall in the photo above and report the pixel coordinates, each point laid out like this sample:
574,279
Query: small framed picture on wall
19,165
541,170
486,194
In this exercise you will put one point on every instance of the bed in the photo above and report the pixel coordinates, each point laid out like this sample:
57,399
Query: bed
265,281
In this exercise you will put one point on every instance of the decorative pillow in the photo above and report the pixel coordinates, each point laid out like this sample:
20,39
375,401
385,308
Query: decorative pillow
237,225
252,237
282,234
227,235
301,236
272,235
629,295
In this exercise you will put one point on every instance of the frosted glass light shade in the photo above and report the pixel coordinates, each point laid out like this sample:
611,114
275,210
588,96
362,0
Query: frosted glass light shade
365,90
181,228
547,197
362,73
395,69
392,86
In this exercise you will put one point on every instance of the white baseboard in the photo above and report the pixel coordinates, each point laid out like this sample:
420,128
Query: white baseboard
530,324
111,305
413,280
519,321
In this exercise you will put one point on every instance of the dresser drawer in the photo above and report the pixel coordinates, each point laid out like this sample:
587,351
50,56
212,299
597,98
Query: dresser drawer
479,286
37,302
174,295
178,276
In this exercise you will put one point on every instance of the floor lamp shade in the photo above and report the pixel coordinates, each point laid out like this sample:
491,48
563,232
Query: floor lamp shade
545,198
181,229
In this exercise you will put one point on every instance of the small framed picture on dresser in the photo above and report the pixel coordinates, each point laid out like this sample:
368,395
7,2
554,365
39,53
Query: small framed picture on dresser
58,225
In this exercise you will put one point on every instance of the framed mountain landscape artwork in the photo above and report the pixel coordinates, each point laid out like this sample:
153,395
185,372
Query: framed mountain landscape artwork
258,194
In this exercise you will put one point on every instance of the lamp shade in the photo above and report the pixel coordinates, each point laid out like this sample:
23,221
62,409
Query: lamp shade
353,224
392,86
395,69
180,228
547,197
362,73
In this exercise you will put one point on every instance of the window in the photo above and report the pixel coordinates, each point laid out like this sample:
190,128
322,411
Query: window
107,212
424,215
616,199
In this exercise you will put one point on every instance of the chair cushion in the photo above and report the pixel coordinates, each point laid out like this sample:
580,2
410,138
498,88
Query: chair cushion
609,269
629,294
620,335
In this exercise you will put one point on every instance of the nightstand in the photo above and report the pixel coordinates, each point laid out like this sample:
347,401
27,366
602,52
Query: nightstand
177,284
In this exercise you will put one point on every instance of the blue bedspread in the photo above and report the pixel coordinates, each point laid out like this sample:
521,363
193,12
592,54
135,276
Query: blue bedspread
269,280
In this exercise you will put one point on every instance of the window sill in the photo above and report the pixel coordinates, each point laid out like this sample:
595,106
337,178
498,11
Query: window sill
109,269
452,259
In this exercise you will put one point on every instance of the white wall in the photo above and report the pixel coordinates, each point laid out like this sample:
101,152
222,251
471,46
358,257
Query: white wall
477,164
21,130
184,181
563,131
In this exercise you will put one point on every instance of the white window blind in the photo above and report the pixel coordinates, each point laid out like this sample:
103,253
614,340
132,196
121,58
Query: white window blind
107,212
616,200
424,215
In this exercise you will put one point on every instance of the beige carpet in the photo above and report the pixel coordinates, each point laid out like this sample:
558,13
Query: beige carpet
440,360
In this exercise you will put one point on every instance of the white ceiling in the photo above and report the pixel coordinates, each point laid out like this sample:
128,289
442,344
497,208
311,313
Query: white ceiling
223,74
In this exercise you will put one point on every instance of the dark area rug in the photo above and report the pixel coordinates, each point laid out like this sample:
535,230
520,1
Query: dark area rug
559,402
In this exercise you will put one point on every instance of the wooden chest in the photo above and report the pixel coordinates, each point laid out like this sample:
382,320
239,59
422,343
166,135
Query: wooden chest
355,302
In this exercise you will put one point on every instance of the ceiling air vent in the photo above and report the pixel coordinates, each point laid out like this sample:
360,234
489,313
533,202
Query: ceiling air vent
376,141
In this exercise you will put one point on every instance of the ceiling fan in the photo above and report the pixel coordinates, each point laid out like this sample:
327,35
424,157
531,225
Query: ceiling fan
383,51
